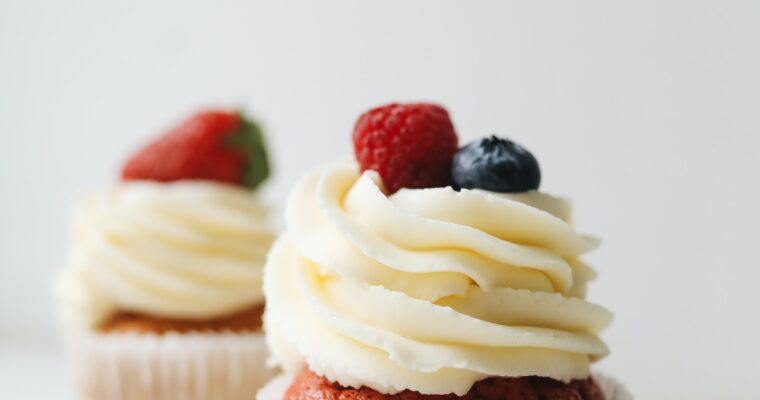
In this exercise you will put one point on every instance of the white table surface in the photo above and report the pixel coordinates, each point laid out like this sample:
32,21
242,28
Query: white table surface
33,370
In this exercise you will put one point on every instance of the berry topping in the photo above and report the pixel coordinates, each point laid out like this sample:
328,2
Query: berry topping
409,145
219,146
495,164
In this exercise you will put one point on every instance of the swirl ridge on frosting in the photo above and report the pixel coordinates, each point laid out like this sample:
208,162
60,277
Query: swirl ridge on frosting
428,289
187,249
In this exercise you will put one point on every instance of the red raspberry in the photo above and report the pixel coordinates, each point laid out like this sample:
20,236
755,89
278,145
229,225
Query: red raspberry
409,145
220,146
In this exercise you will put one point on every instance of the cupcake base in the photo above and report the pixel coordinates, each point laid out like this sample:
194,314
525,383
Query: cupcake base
169,366
248,319
307,386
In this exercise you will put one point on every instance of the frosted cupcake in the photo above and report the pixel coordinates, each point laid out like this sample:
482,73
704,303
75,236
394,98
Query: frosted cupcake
424,270
162,295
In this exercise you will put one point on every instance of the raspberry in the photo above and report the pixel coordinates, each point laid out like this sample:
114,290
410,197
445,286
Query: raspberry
409,145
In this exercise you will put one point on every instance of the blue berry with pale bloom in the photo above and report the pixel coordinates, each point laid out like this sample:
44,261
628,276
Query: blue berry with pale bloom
495,164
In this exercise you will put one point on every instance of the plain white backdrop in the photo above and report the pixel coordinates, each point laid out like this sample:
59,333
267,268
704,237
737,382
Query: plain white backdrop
646,113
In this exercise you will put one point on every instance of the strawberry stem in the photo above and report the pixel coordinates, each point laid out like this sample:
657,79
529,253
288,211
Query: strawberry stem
250,141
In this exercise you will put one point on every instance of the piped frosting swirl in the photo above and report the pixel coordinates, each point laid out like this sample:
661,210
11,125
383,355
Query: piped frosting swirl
428,289
187,249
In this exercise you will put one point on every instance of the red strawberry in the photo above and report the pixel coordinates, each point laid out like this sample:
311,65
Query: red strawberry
220,146
409,145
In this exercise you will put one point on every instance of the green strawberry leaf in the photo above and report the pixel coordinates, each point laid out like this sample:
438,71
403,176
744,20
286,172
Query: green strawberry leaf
250,140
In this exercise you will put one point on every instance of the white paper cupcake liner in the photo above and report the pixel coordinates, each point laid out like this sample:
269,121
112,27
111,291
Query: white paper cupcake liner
192,366
275,389
612,389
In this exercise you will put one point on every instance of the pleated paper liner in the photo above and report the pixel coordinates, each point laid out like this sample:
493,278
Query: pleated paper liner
173,366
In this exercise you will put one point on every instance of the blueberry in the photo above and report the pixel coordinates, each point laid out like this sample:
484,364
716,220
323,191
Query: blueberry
497,165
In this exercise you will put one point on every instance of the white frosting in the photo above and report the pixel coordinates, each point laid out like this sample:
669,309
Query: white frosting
428,289
188,249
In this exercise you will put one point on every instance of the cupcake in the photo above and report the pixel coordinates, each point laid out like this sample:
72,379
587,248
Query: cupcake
422,270
162,295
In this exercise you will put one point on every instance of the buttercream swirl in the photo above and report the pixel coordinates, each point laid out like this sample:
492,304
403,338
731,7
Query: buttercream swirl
428,289
187,249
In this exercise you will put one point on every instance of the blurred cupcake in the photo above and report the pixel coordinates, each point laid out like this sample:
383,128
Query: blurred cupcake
162,295
424,271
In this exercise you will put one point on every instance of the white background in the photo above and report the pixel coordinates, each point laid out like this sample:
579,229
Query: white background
646,113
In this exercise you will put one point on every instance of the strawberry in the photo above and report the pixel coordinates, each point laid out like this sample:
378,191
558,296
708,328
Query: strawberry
212,145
